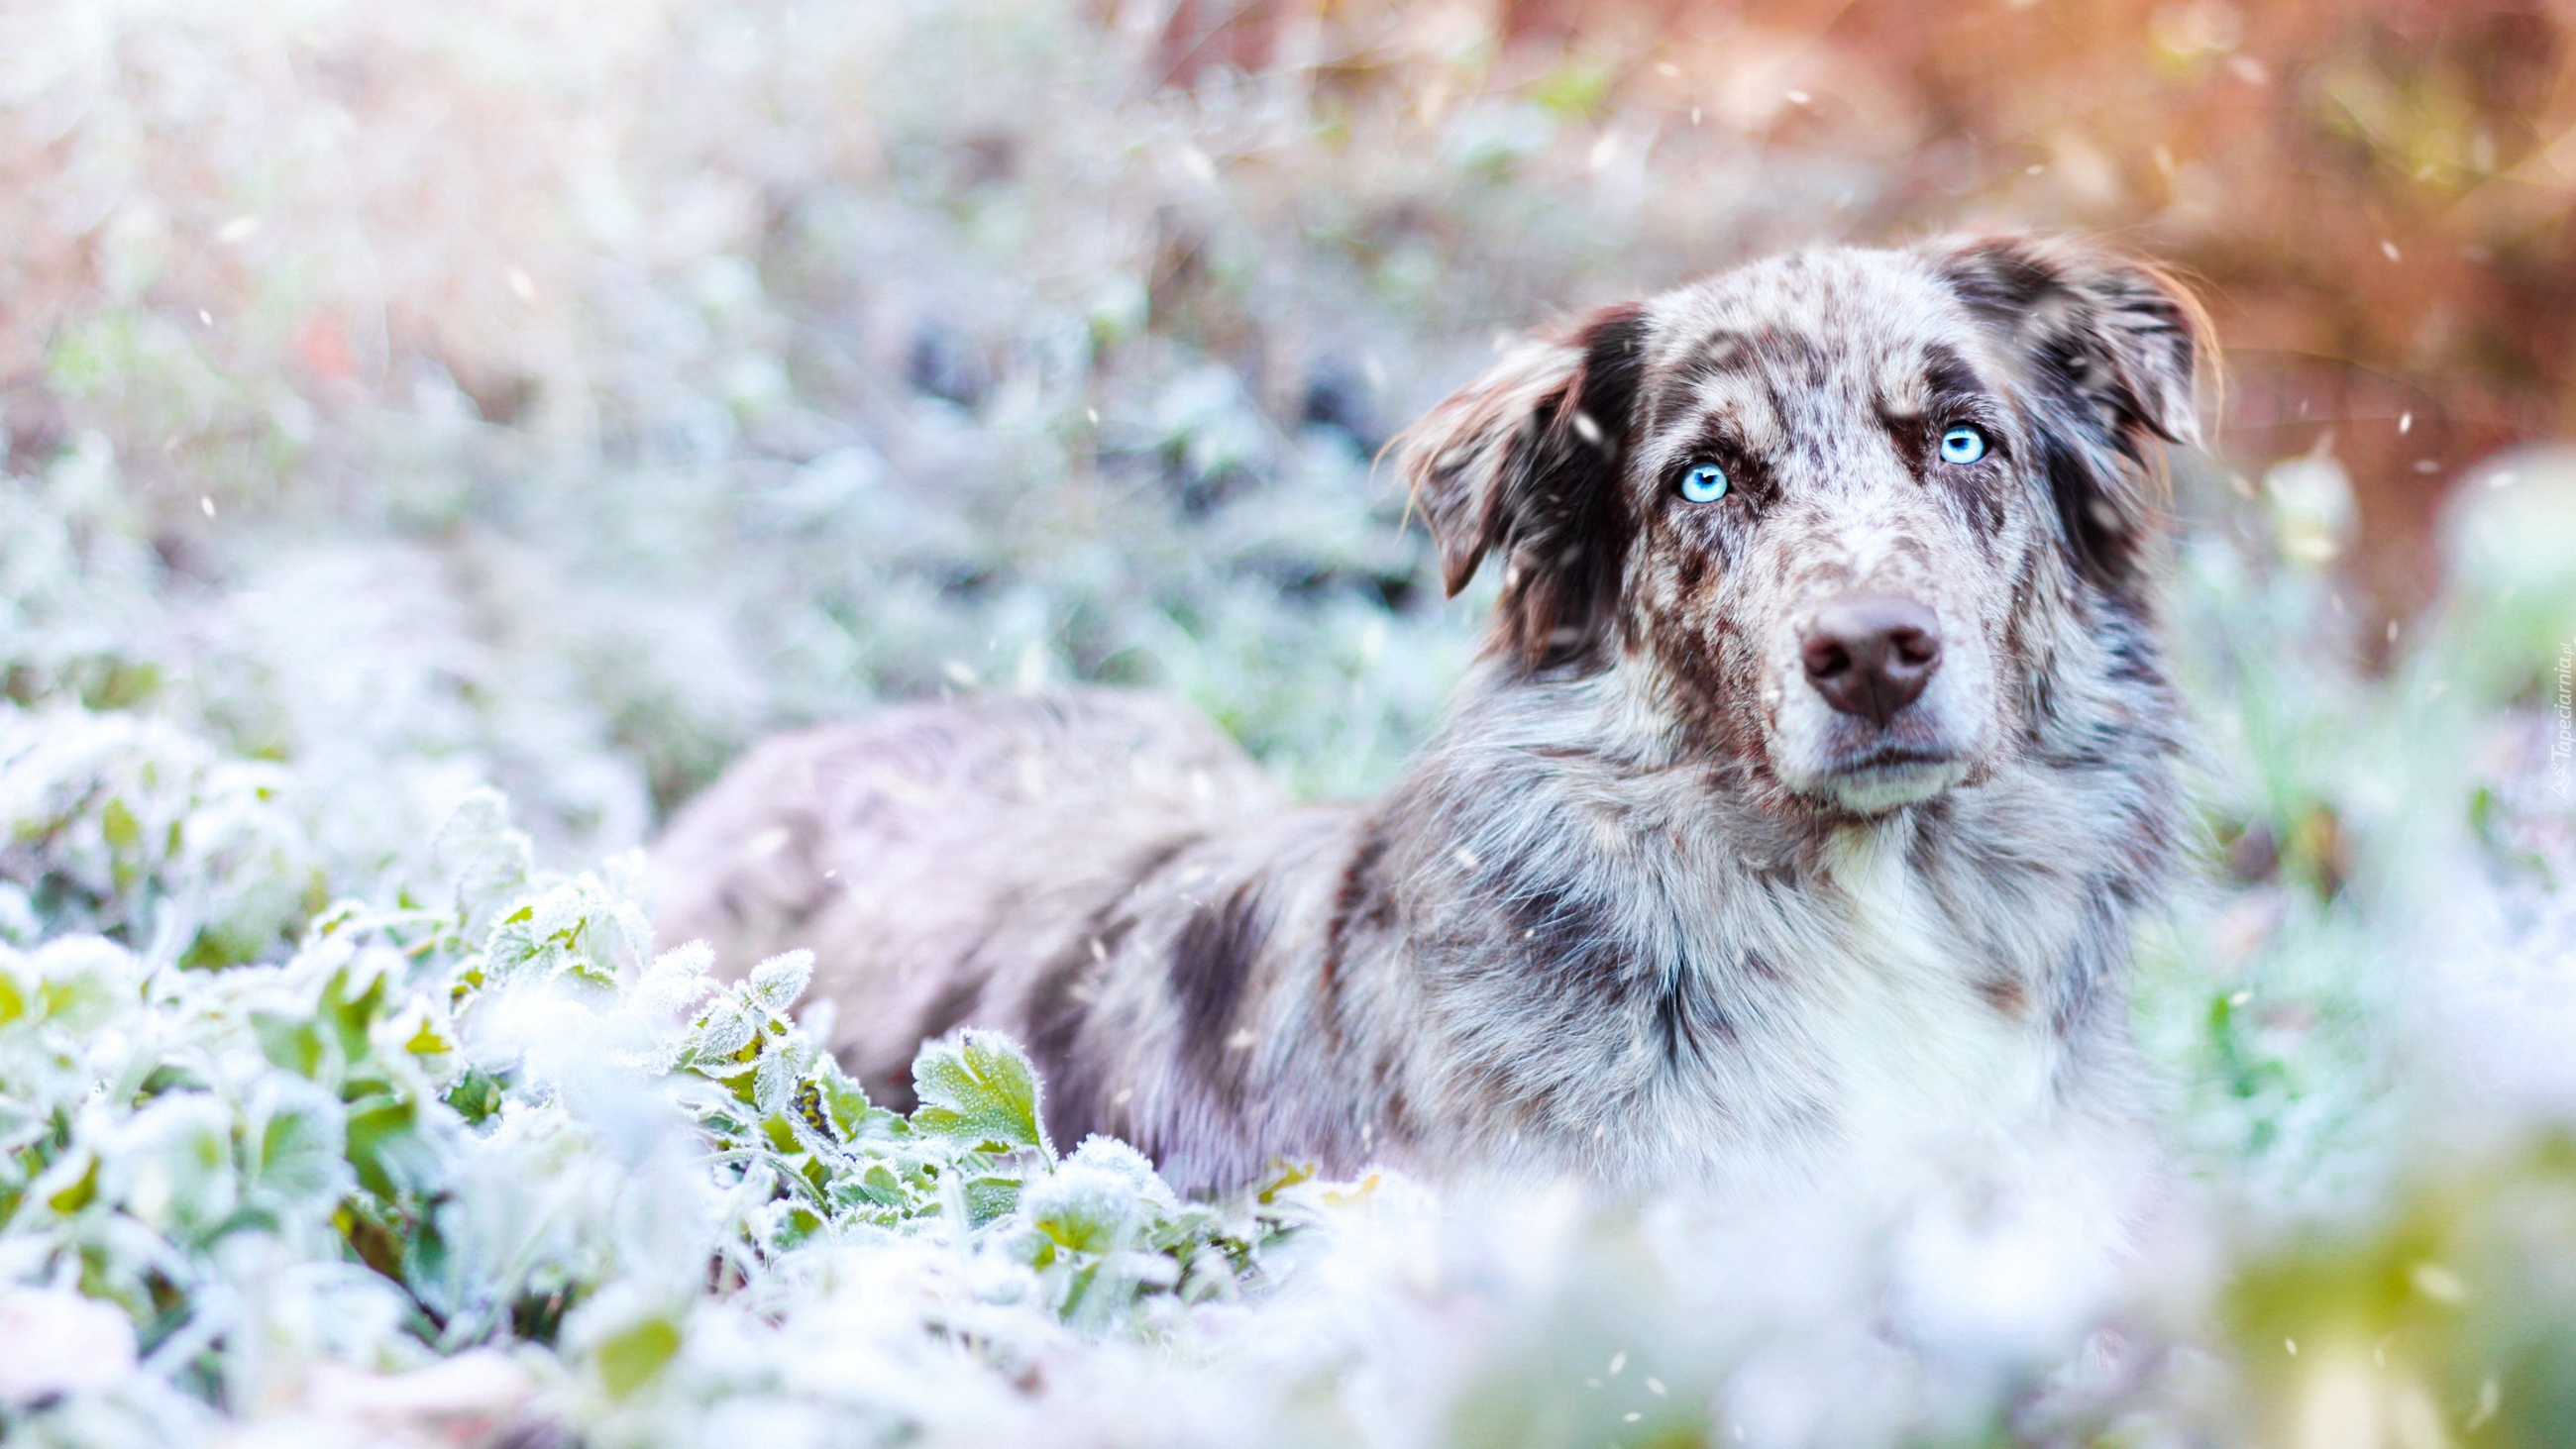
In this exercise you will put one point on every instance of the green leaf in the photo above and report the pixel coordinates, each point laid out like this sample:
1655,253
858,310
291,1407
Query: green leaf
989,1198
846,1106
179,1154
877,1185
979,1090
121,828
300,1139
426,1041
780,1134
476,1096
292,1042
351,1015
773,1084
629,1358
83,982
71,1184
380,1131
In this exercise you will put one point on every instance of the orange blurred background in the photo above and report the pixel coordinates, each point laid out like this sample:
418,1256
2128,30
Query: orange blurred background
2373,194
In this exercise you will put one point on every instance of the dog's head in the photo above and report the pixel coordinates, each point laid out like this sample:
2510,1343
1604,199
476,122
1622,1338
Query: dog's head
1858,519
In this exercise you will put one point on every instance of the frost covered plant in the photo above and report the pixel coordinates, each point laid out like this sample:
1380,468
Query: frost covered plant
128,827
498,1129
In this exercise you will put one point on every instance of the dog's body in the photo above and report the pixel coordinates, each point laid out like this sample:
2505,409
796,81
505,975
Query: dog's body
1795,825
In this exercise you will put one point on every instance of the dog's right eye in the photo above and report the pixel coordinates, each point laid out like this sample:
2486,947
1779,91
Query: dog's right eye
1704,483
1963,445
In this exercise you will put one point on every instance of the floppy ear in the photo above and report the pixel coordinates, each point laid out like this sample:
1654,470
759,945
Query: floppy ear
2108,351
1524,462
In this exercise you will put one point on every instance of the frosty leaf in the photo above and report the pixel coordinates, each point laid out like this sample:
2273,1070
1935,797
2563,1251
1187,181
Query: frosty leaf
1086,1207
878,1185
297,1134
845,1103
623,931
721,1034
173,1163
292,1042
491,861
780,1068
84,979
777,982
1117,1159
675,981
990,1197
979,1090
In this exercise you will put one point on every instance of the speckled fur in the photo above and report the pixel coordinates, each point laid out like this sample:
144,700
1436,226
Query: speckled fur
1631,915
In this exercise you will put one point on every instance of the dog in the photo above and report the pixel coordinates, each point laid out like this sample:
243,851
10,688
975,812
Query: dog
1795,813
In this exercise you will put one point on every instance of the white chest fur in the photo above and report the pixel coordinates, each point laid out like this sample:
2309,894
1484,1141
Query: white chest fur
1920,1051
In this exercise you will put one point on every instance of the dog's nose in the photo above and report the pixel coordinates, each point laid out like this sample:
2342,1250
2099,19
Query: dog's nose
1872,655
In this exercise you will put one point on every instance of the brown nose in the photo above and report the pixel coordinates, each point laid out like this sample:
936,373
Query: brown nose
1872,655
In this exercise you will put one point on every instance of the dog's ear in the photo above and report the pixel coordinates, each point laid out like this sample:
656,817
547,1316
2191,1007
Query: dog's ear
2109,351
1524,462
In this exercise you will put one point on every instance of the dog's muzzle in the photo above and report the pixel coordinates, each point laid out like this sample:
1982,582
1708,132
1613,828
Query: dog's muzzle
1870,658
1872,655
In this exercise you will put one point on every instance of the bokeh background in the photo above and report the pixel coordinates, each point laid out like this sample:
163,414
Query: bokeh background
562,395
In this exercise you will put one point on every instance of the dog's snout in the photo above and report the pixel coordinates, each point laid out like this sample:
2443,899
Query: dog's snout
1872,655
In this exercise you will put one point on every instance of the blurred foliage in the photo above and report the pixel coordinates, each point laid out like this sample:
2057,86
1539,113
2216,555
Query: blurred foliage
2451,1324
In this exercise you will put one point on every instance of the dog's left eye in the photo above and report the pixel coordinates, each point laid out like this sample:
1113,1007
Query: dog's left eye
1963,444
1704,483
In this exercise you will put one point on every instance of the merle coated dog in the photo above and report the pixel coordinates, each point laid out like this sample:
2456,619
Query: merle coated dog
1796,811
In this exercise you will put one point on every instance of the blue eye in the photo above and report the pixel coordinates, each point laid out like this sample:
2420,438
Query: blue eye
1704,483
1963,445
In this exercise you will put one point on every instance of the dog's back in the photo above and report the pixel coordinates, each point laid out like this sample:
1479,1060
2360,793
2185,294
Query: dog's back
940,854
